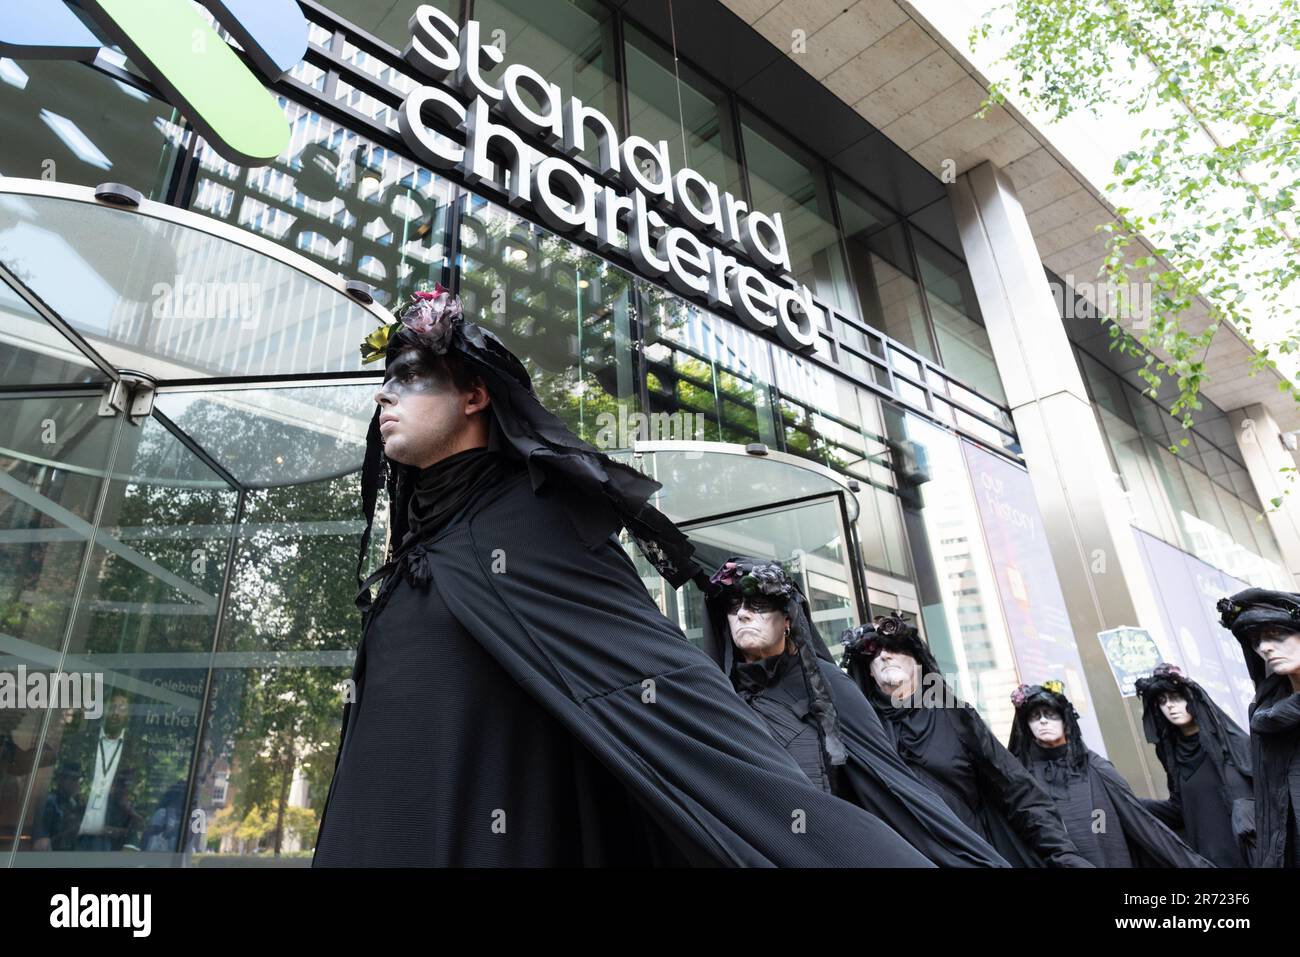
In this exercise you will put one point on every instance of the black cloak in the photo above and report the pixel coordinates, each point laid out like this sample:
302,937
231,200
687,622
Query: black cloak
829,729
1274,726
998,797
1211,797
1081,780
521,700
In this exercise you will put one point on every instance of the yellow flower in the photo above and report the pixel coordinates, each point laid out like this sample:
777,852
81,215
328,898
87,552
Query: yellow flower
1056,687
376,344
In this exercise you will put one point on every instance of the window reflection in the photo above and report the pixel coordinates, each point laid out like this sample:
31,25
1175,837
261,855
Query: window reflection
564,312
963,341
786,179
339,199
670,101
699,364
71,124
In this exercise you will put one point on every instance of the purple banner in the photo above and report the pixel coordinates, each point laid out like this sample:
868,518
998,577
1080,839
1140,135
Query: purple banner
1030,595
1187,589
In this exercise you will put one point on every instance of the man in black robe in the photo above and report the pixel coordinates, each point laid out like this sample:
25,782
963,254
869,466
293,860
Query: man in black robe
759,630
1267,624
1104,818
519,698
950,748
1206,758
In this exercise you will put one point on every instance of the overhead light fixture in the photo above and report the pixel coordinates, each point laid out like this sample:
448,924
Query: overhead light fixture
363,293
583,284
118,194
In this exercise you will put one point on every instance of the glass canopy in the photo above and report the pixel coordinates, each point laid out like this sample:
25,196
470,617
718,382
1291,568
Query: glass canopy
174,294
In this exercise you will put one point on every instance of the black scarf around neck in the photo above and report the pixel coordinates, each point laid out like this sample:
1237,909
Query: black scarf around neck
442,488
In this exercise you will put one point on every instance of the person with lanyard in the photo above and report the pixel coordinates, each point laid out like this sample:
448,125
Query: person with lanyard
1206,758
108,822
1267,625
1104,818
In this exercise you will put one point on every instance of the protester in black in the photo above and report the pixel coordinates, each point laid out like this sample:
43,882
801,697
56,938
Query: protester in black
517,697
950,748
1267,624
759,631
1206,758
1104,818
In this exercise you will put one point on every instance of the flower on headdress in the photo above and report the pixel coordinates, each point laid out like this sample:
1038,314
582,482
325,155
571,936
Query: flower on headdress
1054,686
432,315
724,575
1019,695
1167,670
1228,611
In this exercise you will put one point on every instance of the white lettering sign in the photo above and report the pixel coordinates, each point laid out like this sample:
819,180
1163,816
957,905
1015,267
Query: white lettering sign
570,200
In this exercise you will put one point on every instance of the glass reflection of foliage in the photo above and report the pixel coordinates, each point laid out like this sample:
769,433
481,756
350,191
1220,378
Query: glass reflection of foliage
814,434
564,312
734,402
340,200
291,596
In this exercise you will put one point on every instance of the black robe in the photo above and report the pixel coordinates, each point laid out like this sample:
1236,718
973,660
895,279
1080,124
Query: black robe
1129,835
521,700
1207,798
873,776
952,749
1275,756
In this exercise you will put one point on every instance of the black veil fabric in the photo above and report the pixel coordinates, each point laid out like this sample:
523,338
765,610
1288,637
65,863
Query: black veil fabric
600,495
1218,730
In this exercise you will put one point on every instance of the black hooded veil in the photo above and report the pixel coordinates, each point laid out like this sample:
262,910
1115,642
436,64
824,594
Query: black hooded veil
853,753
950,742
519,698
1211,797
1274,725
1082,783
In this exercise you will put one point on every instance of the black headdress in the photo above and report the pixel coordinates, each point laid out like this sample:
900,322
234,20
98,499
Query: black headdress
1052,695
600,494
756,576
1247,611
885,633
1218,731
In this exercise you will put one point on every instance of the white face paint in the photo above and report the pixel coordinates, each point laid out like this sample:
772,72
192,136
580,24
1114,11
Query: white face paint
758,628
1047,726
896,673
1175,709
1280,648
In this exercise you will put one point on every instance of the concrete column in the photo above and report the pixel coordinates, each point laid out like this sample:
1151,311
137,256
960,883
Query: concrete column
1096,556
1260,442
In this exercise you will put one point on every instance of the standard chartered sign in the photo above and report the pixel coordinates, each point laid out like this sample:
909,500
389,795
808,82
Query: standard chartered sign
571,200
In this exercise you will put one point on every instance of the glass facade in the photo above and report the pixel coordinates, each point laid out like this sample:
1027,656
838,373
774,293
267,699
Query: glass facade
1199,498
185,556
